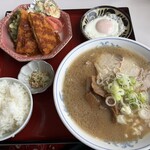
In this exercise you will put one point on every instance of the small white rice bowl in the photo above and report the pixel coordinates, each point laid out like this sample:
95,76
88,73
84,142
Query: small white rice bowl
16,105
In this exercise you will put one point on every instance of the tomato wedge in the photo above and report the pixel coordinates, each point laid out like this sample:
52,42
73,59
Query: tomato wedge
55,23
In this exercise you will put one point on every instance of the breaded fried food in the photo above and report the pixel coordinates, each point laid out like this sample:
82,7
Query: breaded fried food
26,43
44,34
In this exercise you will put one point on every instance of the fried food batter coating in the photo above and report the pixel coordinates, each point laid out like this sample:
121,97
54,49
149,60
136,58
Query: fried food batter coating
44,34
26,43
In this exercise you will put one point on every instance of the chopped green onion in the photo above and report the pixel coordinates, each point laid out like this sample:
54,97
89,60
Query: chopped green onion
123,90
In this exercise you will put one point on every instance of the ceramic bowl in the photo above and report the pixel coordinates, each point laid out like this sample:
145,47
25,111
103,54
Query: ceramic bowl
99,12
71,125
7,45
36,65
28,107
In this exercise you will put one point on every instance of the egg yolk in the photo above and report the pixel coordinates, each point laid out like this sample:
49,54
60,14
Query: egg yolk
104,26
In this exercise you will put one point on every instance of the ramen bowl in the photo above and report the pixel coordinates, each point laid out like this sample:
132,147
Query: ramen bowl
63,112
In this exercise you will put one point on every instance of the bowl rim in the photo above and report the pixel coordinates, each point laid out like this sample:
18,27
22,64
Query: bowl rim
110,7
55,89
30,109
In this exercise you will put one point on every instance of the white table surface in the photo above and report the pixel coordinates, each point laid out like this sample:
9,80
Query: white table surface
139,11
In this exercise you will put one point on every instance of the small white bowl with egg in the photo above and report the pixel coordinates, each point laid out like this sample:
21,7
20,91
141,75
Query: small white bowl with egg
105,21
37,75
16,105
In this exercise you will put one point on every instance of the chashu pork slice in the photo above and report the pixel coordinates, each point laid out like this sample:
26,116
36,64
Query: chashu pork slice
26,43
107,64
129,67
144,77
44,34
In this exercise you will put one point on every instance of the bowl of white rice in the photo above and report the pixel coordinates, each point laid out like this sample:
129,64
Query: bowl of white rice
16,105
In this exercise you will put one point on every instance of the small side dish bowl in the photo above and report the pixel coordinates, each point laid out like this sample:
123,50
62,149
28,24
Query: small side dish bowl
38,75
16,107
105,21
69,116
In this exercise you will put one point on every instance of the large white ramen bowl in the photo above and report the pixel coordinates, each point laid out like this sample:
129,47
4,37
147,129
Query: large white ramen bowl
13,81
80,134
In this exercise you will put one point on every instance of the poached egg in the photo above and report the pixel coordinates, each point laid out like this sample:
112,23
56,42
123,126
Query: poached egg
105,26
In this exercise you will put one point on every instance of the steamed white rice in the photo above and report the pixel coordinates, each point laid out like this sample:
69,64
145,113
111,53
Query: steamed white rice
14,106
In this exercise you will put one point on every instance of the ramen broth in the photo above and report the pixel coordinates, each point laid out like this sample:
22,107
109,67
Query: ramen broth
93,119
